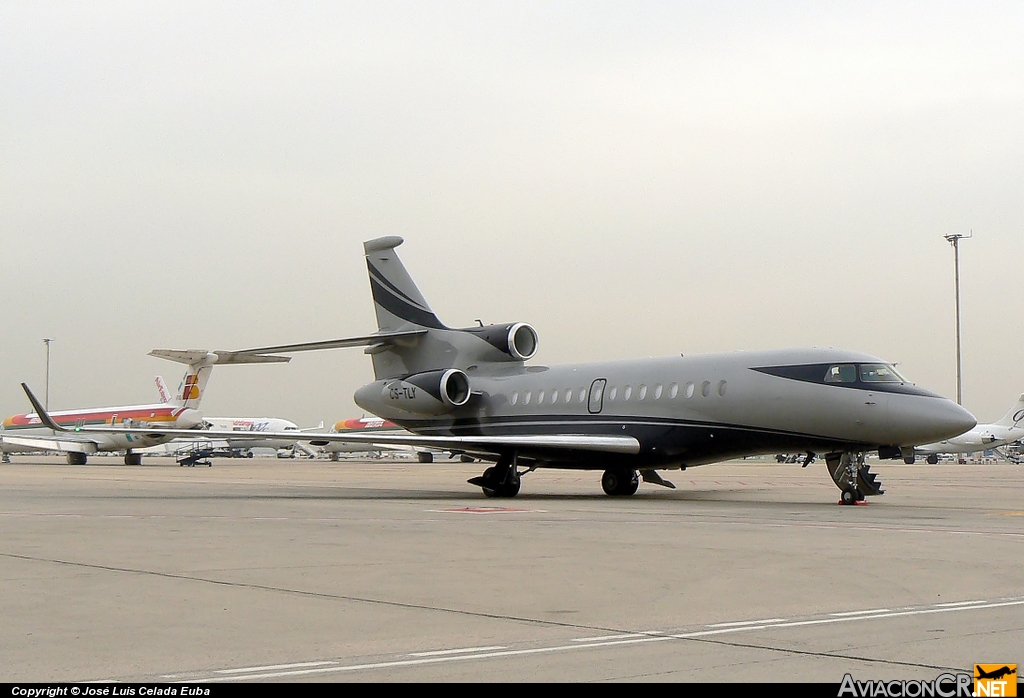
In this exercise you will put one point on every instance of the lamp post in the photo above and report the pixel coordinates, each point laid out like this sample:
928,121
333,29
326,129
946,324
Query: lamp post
47,343
954,239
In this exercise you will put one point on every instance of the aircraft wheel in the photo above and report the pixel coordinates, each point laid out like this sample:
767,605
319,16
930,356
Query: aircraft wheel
933,460
849,497
132,458
425,457
509,489
620,482
77,458
488,492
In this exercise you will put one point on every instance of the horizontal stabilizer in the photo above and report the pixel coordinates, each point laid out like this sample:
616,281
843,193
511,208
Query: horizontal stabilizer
194,357
382,338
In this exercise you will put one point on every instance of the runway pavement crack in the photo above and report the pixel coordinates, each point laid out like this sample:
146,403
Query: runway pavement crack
828,655
318,594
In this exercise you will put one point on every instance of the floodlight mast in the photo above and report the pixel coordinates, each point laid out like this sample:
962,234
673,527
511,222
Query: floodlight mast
47,343
954,239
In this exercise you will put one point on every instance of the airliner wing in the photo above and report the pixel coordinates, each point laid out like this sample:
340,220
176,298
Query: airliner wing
50,443
530,443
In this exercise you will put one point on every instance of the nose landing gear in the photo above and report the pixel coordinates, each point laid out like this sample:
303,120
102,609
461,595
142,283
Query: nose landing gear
853,476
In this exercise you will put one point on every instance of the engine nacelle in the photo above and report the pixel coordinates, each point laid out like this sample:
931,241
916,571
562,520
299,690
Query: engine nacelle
429,393
516,339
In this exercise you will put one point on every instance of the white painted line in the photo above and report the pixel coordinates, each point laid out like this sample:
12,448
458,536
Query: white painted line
958,603
747,622
272,667
610,637
437,653
624,640
861,613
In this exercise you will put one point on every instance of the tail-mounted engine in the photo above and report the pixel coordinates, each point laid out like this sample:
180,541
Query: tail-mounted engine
428,394
517,340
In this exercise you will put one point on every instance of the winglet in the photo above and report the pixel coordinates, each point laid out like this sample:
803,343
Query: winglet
44,416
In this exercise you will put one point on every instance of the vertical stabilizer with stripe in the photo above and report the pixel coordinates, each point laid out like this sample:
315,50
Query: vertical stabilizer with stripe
399,305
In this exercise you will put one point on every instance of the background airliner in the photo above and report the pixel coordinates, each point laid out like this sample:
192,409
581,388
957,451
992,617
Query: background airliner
471,390
28,432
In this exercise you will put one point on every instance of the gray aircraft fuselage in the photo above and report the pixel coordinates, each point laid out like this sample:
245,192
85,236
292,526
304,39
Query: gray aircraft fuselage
684,410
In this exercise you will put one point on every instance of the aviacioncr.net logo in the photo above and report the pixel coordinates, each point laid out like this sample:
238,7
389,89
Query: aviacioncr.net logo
942,686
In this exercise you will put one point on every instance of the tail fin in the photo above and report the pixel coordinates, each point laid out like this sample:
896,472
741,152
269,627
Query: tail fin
1015,417
161,387
399,304
200,365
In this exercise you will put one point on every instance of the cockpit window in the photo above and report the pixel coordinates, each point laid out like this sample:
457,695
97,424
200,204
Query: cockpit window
841,373
880,373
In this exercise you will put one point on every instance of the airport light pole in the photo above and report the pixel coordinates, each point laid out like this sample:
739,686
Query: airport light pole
954,239
47,341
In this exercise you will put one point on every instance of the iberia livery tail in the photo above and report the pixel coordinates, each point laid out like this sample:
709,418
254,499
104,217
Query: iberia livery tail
200,364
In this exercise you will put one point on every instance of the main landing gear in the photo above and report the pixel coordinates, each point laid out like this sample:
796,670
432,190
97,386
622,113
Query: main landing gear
620,482
853,476
76,458
132,458
501,480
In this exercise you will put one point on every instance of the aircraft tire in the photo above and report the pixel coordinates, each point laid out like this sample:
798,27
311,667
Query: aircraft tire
425,457
77,458
849,496
488,492
132,458
618,482
505,489
933,460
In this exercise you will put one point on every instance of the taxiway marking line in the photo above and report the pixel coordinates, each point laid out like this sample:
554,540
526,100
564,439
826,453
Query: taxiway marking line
464,650
752,622
272,667
861,613
646,638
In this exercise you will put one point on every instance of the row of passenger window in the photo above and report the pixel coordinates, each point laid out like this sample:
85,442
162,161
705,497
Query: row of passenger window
642,393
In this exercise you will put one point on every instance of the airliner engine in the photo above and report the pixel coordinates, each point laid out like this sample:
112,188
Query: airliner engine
429,393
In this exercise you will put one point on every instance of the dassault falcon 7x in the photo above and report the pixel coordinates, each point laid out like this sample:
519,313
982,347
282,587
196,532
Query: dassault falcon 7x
472,391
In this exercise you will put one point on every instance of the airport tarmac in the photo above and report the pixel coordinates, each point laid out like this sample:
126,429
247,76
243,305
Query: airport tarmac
271,570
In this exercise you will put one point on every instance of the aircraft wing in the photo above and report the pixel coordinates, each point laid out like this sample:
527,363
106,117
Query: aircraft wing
530,443
50,443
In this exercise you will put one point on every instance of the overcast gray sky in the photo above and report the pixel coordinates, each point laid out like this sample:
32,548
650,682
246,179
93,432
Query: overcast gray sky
632,178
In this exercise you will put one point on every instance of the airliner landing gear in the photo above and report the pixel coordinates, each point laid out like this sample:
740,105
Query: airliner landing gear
853,476
620,482
132,458
76,458
502,480
933,459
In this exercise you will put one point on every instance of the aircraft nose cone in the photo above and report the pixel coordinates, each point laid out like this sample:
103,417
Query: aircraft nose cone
949,420
924,420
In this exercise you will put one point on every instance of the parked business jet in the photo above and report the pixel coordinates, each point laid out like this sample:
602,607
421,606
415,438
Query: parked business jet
472,391
983,437
28,432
